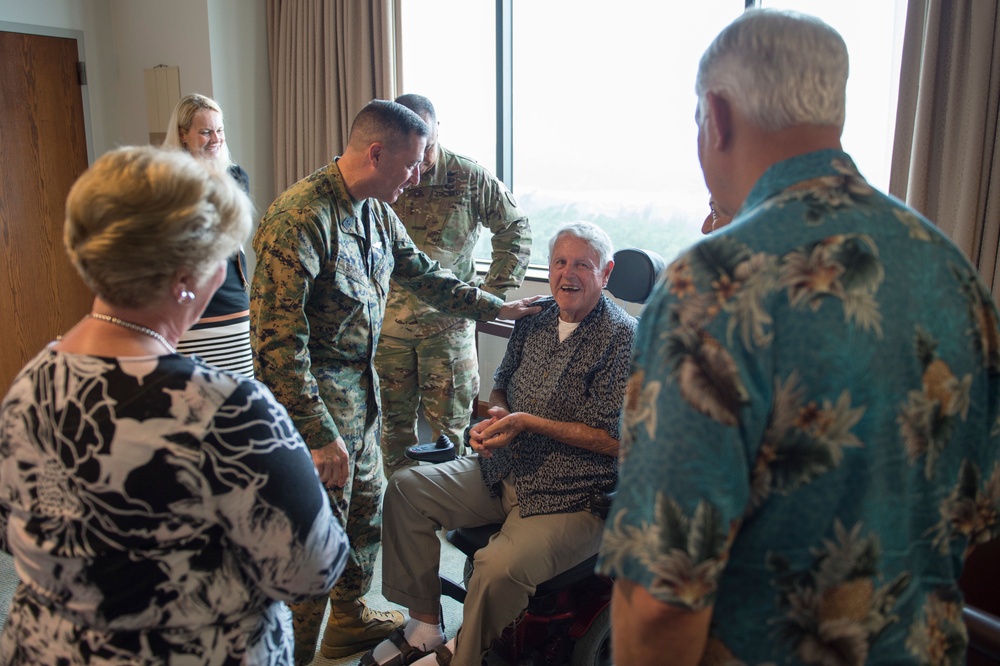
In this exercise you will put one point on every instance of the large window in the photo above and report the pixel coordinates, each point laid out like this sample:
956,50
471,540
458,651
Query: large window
602,102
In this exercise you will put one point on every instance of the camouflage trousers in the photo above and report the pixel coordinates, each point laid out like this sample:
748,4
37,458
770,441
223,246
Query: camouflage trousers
358,507
439,372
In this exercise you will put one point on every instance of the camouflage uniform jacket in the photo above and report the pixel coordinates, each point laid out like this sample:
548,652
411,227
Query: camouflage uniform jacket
318,299
444,214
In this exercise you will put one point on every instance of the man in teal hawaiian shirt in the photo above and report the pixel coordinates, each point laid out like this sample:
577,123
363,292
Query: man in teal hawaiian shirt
809,441
326,249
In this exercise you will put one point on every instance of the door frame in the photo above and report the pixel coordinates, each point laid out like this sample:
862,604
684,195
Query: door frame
77,35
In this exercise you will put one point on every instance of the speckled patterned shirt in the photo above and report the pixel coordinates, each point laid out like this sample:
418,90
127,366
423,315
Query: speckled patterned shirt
581,379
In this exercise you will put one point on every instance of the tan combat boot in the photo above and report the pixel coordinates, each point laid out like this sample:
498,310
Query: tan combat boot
353,627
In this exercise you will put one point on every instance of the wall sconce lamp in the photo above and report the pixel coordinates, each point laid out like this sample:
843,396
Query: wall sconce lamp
163,91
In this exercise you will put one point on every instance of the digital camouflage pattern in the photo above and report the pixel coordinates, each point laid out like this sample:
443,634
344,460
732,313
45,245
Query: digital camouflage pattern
444,216
810,436
357,507
445,382
426,356
316,307
318,298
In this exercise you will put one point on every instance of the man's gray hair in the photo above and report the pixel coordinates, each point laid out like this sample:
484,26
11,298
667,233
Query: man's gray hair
590,233
779,68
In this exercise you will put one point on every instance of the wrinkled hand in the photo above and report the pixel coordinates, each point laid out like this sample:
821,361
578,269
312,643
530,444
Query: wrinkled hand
497,432
476,437
332,464
520,308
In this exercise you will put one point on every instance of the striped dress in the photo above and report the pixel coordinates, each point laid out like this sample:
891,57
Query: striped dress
222,336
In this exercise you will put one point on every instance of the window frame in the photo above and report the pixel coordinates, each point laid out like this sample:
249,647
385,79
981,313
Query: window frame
504,167
505,114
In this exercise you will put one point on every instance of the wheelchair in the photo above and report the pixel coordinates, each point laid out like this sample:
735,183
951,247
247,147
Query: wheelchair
568,619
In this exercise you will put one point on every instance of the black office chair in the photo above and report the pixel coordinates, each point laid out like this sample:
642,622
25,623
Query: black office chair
635,274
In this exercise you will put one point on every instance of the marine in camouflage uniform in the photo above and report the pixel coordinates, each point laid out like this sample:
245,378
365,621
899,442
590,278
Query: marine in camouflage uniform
316,308
425,356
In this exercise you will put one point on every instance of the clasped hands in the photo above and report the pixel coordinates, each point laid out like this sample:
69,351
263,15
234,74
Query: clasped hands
497,431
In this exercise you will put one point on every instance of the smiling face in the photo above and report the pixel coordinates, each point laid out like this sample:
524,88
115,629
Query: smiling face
576,277
398,166
205,136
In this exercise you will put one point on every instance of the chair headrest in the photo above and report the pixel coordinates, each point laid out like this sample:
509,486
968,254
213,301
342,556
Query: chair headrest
635,274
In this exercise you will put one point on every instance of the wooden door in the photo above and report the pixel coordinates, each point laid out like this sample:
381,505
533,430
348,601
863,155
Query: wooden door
43,148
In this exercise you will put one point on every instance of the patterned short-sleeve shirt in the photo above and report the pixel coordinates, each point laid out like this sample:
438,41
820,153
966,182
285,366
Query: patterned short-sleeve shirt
581,380
810,437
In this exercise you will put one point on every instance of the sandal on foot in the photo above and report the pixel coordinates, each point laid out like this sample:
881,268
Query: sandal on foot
407,653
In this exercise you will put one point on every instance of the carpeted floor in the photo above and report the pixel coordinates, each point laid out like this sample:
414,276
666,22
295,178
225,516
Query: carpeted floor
8,581
452,564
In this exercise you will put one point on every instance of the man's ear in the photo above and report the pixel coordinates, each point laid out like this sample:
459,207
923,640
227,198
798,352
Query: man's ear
720,121
607,271
375,150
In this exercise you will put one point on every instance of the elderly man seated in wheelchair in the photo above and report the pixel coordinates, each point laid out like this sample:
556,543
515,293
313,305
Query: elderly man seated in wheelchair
550,442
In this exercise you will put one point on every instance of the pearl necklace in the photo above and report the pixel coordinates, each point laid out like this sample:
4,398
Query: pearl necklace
134,327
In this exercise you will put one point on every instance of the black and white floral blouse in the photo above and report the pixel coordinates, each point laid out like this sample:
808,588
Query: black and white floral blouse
159,511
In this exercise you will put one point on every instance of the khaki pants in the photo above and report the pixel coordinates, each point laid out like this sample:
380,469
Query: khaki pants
525,553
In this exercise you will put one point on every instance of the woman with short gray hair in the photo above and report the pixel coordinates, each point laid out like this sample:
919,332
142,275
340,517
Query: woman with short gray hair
159,510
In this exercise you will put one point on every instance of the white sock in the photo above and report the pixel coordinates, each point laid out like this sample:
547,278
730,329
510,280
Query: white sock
419,634
423,636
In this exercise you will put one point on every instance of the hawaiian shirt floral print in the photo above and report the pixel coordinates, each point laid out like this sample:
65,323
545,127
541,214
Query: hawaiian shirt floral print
810,433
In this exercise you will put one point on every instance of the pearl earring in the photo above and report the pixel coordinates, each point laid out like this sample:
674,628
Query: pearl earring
186,297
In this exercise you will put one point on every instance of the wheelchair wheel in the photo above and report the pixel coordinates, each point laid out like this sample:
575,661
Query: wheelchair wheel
594,647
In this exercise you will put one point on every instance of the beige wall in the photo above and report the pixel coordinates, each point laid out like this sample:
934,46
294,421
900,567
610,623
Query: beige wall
220,47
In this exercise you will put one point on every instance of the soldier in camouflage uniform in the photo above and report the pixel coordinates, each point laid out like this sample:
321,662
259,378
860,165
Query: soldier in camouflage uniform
426,357
325,250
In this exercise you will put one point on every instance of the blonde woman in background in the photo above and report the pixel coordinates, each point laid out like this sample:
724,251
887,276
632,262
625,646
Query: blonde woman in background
222,336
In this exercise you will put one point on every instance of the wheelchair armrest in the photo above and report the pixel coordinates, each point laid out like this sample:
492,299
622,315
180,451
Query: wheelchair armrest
984,631
599,503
